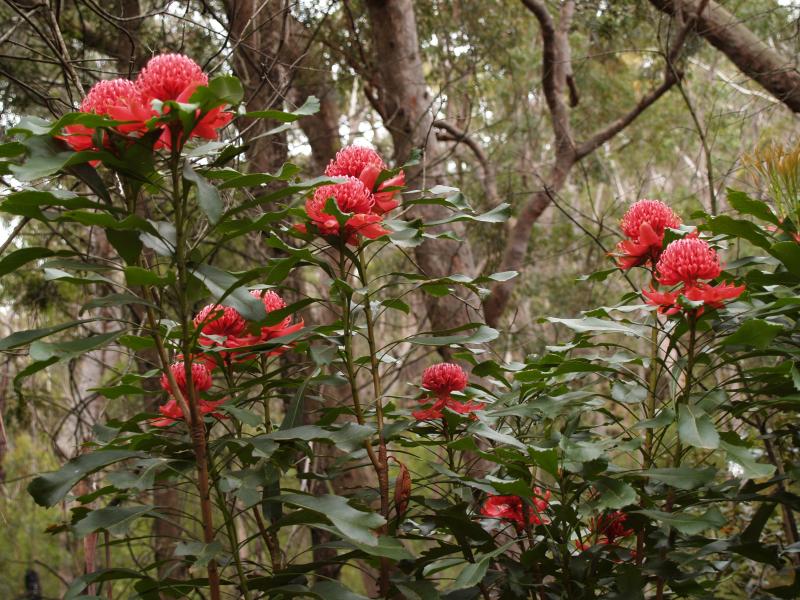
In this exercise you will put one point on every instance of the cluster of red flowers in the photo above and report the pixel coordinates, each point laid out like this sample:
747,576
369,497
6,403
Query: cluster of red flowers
223,331
360,196
516,511
165,77
686,262
689,262
442,380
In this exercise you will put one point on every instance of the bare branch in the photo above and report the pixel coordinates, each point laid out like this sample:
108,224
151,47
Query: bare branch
752,56
488,179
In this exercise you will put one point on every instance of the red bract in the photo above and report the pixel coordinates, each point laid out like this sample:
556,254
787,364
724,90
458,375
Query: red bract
352,197
514,510
444,378
272,302
176,77
366,164
712,296
116,99
434,412
201,377
611,526
172,412
686,261
222,321
644,224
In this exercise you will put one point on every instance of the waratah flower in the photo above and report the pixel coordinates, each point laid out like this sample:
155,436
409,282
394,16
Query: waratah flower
221,321
176,77
172,412
366,164
117,99
644,224
444,378
352,197
611,527
201,377
687,261
515,510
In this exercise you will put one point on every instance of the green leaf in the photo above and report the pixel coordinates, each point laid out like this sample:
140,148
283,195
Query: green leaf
16,259
139,276
202,553
22,338
614,493
309,107
757,333
46,157
126,243
50,488
789,254
482,335
224,286
740,453
746,205
224,89
123,299
629,393
595,325
115,519
472,574
207,195
688,523
665,417
355,524
725,225
348,437
682,478
43,351
333,590
696,428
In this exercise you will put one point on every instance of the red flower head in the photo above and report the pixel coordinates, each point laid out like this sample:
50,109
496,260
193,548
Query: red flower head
514,510
611,526
168,77
201,377
444,378
352,197
712,296
366,164
686,261
176,77
117,99
644,224
223,321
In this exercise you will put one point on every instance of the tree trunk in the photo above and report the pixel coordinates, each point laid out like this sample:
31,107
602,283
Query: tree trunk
405,105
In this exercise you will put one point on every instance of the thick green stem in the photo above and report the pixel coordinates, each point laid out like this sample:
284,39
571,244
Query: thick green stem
196,422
